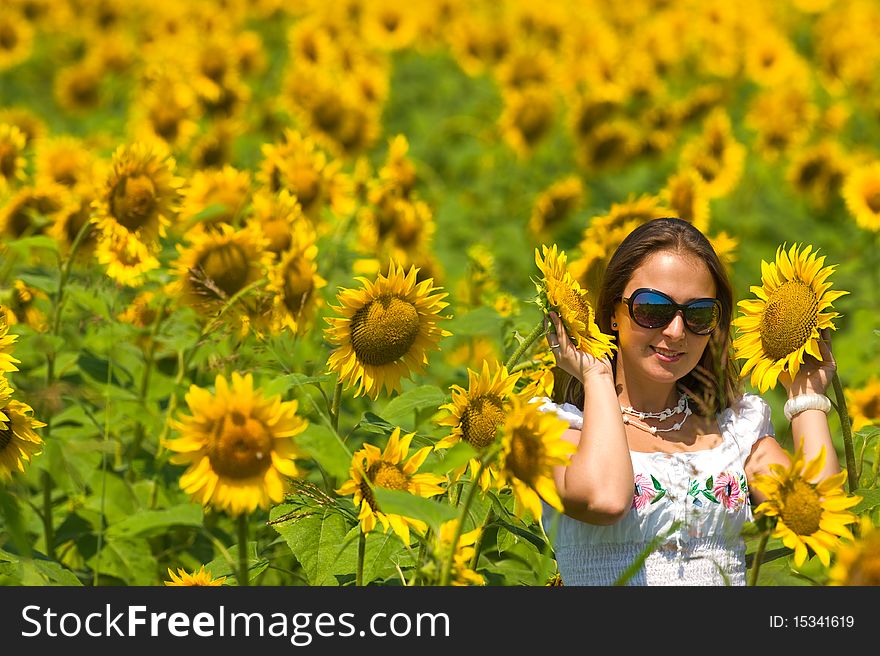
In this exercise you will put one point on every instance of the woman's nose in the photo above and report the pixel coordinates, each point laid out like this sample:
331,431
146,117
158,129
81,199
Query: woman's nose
675,329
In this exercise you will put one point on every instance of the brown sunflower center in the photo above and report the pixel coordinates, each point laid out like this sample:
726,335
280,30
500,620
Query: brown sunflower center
873,201
8,155
388,476
525,455
5,438
241,446
790,316
871,409
8,37
306,184
533,120
578,304
227,265
384,330
480,421
297,289
865,569
802,508
133,201
682,201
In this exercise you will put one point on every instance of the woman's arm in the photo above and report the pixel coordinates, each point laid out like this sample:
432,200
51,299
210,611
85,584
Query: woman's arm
597,484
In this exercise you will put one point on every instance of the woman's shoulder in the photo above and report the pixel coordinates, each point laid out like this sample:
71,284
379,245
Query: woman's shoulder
567,411
749,417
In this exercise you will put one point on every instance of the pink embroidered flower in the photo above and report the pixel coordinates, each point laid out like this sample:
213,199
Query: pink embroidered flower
643,491
728,491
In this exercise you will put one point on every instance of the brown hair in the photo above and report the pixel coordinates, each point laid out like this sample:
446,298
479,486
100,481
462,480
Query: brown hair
714,382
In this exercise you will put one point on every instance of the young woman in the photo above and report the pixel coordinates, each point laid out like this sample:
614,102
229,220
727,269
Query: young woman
666,443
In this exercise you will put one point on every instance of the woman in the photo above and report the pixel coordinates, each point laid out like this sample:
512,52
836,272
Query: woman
666,444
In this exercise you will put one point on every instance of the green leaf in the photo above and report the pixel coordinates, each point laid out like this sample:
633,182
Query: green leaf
99,369
518,531
413,506
402,408
870,500
155,522
454,457
709,483
481,321
382,553
317,542
656,483
659,496
24,245
710,496
375,424
14,525
324,445
129,560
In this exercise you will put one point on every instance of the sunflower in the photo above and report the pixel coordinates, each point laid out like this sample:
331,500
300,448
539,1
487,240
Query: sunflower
298,165
398,169
783,118
864,404
385,330
819,171
390,25
686,197
19,441
392,470
779,328
476,414
166,108
293,285
140,192
7,362
126,257
77,88
715,155
280,218
32,208
22,306
201,577
64,160
861,191
527,117
23,118
12,161
531,446
858,563
214,197
16,39
462,573
610,146
540,375
559,292
555,205
238,445
808,514
218,264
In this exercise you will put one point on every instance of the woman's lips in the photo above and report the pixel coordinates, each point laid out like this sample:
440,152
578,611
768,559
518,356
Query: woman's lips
665,355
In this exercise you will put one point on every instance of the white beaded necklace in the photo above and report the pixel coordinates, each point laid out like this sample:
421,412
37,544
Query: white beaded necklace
682,407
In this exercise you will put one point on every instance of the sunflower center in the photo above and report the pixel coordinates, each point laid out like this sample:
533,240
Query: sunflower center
873,202
480,421
297,289
384,330
872,408
227,265
133,201
388,476
8,37
525,456
5,438
7,160
790,316
577,303
802,509
241,447
305,183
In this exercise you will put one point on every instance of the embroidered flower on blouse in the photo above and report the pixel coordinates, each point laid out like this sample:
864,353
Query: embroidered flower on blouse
728,489
646,491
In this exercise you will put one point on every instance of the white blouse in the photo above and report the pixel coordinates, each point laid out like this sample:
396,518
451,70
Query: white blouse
695,503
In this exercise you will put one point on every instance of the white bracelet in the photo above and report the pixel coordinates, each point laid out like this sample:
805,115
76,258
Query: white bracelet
803,402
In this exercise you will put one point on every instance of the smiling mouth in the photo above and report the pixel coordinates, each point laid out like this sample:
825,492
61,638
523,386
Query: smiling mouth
667,353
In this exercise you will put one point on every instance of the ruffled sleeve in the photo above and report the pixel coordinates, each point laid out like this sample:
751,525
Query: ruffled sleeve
567,411
748,420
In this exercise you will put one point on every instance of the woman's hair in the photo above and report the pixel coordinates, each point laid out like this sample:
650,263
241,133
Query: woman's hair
714,381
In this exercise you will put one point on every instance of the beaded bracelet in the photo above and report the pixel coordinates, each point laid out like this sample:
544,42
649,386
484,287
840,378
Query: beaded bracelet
803,402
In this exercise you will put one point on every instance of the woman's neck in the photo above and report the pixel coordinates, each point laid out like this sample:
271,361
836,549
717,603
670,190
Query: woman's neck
651,397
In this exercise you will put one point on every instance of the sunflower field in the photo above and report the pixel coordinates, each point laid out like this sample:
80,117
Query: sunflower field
271,271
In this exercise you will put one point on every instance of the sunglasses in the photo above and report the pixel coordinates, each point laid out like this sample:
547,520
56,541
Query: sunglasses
652,309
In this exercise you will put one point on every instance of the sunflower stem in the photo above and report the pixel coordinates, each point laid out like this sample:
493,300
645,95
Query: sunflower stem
446,572
243,568
48,527
362,552
334,408
759,556
537,331
846,428
478,546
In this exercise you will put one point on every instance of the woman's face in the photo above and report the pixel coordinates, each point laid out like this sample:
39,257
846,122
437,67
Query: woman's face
668,353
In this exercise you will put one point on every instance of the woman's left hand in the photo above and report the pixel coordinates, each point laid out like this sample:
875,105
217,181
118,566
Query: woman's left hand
814,376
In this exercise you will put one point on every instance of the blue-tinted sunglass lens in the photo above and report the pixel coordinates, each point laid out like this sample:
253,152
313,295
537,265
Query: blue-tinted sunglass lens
651,310
702,317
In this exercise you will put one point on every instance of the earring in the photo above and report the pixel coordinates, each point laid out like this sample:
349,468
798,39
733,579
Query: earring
614,325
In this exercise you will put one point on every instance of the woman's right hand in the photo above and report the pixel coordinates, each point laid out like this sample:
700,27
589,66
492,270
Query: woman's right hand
579,364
